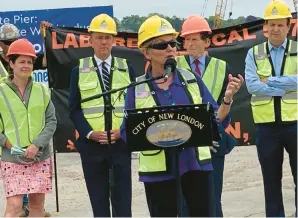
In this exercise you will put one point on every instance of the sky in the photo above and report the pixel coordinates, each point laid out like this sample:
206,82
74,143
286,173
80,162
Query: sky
123,8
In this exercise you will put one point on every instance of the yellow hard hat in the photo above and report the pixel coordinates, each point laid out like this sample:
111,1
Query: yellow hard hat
153,27
277,10
103,23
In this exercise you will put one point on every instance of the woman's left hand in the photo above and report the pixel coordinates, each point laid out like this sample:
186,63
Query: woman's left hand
233,86
31,151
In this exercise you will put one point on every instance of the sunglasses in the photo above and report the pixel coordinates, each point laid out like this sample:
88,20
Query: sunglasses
163,45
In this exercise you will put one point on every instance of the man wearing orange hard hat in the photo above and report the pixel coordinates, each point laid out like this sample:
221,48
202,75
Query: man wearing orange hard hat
271,79
216,75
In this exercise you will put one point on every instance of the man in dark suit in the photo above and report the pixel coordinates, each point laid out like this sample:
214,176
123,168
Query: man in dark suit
215,74
106,165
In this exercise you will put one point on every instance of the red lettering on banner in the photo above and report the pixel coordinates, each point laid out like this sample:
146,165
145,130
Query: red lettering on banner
245,137
71,41
246,35
85,41
55,44
236,132
218,39
132,43
234,35
119,41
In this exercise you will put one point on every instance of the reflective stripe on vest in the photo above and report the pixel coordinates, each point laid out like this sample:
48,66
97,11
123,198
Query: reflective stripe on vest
151,162
21,125
213,77
89,85
3,72
263,106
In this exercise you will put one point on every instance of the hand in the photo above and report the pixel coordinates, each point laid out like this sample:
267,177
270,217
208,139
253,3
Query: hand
71,145
233,86
99,136
264,80
43,26
8,144
115,134
214,147
31,151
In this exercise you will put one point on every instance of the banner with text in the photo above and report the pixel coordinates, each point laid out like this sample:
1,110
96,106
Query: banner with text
65,46
28,23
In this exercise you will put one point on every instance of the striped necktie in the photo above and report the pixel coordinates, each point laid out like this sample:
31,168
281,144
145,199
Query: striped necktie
105,76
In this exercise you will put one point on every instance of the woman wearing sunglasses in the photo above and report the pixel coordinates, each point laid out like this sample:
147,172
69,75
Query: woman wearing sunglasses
157,40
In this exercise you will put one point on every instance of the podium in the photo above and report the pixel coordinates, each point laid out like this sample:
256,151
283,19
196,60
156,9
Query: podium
171,127
168,127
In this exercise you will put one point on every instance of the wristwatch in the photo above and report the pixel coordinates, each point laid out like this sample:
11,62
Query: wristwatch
226,103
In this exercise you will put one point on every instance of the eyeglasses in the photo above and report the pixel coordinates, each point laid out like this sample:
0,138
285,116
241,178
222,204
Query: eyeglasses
163,45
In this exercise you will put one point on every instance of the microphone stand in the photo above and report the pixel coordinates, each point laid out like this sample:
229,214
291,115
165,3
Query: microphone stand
108,110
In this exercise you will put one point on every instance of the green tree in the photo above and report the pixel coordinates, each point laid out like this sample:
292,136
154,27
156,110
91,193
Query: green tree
176,22
118,23
132,23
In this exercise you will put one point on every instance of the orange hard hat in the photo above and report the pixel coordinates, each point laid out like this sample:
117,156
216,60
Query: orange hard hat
22,47
195,24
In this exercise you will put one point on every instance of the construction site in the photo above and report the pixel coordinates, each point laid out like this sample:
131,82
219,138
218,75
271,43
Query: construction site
63,45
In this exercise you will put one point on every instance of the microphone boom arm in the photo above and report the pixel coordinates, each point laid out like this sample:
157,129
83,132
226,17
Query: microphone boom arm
133,84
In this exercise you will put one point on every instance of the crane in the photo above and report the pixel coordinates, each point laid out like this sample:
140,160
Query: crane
219,12
204,7
221,9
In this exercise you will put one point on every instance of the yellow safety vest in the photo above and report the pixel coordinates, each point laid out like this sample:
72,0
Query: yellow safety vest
213,77
3,72
89,85
263,106
152,162
22,124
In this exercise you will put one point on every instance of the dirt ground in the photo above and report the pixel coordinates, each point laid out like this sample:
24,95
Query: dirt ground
242,191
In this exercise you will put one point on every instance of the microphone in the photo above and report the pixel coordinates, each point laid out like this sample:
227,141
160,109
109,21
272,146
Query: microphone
169,66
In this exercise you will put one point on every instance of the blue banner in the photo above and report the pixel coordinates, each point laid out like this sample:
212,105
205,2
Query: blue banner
28,22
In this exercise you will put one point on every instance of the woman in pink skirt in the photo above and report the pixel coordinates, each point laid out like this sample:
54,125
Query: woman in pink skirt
27,124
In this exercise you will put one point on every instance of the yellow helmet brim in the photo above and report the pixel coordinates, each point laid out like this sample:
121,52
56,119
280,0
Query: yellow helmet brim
274,17
102,31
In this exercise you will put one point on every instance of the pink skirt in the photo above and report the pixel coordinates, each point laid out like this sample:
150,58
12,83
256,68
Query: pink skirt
27,179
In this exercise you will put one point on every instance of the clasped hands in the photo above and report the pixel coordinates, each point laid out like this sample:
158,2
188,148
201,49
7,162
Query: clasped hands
102,136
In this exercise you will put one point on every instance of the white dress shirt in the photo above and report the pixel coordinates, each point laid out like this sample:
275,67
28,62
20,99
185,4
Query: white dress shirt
108,65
